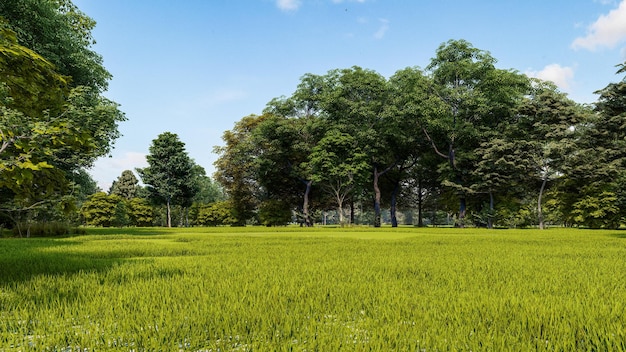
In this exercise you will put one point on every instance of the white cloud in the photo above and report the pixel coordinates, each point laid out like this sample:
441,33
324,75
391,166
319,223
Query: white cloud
106,170
608,31
382,30
288,5
340,1
563,77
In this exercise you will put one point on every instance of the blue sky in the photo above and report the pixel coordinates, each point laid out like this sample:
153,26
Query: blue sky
195,67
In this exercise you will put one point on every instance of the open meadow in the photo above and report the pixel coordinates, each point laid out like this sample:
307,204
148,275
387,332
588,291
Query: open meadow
298,289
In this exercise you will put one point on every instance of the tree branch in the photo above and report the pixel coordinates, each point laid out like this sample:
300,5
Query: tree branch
433,144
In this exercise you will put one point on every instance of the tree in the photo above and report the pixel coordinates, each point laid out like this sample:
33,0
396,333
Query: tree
61,33
102,210
169,173
303,126
547,121
338,166
595,182
126,185
53,120
140,212
235,169
480,100
354,102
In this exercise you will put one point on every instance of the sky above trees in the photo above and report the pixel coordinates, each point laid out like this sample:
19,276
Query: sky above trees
194,68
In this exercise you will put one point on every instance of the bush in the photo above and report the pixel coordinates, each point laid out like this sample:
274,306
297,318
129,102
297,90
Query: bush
45,229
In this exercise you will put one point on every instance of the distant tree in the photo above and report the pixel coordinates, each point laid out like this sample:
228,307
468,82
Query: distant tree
169,173
215,214
140,212
338,166
236,170
595,182
102,210
126,185
480,100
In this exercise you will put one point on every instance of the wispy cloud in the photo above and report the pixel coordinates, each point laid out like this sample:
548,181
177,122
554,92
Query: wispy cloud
288,5
607,31
107,170
562,76
382,30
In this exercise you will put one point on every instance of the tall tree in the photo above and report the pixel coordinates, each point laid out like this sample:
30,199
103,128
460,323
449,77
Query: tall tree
126,185
596,171
480,100
339,166
235,169
54,120
169,171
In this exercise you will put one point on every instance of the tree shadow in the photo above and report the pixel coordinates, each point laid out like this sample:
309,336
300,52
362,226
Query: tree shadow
23,259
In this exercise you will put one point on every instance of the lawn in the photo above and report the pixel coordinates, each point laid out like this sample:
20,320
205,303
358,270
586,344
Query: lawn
320,289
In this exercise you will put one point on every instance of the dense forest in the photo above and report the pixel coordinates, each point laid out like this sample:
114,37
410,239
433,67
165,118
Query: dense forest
460,142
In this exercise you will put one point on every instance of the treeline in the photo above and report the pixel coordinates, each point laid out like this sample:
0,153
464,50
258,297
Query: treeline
175,192
493,147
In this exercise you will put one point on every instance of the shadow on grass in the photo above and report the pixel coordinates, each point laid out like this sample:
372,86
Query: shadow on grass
130,231
23,259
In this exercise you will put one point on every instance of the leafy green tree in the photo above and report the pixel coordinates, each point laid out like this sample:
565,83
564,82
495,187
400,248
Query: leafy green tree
301,123
354,101
140,212
480,100
338,166
169,173
61,33
274,212
101,209
410,104
53,120
594,189
216,214
235,169
126,185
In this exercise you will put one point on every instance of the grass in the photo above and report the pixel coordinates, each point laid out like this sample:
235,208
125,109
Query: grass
294,289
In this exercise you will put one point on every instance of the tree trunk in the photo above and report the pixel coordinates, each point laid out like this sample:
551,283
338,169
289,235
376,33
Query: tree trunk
462,210
394,197
420,206
340,213
376,198
490,216
305,205
169,213
539,211
351,210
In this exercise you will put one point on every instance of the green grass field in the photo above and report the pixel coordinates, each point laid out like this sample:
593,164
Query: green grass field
294,289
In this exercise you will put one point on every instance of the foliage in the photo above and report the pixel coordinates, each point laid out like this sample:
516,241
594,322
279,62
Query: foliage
169,178
274,213
54,122
102,210
214,214
126,185
140,212
289,288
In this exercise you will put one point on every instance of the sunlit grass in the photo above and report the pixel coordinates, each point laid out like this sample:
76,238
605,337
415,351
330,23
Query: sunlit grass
267,289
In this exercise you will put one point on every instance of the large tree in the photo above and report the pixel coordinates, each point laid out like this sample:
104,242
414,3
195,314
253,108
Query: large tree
169,172
235,169
126,185
53,119
339,166
480,100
